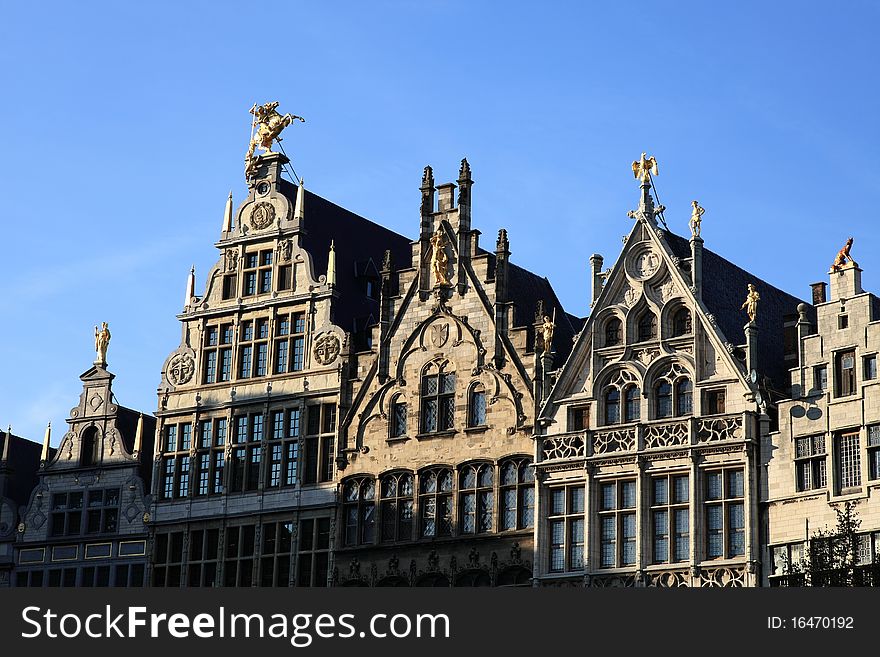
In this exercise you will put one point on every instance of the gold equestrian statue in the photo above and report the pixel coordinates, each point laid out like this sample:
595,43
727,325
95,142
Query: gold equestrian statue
269,124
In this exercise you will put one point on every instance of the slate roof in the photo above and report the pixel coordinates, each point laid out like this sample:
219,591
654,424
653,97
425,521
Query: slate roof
724,290
358,240
24,461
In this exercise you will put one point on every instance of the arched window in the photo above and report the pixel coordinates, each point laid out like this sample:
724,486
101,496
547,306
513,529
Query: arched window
681,322
89,450
360,507
398,417
438,399
517,494
435,502
663,399
632,404
477,406
476,499
612,332
396,507
684,397
647,326
612,406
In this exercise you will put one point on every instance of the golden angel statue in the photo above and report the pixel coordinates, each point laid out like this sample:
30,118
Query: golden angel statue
102,341
269,124
696,218
644,168
751,303
842,257
439,259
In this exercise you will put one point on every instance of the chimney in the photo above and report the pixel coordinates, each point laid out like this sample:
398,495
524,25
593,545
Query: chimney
596,262
446,195
819,293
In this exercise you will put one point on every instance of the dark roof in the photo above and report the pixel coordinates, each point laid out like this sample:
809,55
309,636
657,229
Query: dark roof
24,462
356,240
724,289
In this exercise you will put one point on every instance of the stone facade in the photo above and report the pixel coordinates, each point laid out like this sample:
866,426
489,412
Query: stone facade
648,442
19,462
87,522
436,480
826,450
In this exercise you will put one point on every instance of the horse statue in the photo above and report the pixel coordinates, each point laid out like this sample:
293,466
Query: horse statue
269,124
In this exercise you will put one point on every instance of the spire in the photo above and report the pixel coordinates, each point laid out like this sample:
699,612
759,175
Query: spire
4,458
299,210
139,435
190,286
44,456
331,265
227,214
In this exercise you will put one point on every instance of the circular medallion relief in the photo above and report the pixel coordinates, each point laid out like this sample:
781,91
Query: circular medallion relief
262,215
327,348
181,368
643,263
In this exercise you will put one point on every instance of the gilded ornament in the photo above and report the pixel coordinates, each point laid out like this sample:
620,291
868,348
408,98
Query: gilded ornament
439,259
644,168
751,303
102,341
843,256
268,124
696,218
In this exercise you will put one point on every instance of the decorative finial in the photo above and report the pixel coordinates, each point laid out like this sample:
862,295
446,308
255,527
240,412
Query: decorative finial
503,244
428,178
439,258
268,124
464,173
299,212
751,303
4,458
644,168
139,435
696,218
840,262
331,264
190,286
387,263
227,214
44,456
102,340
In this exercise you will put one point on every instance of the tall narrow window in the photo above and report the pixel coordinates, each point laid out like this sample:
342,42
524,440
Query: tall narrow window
684,397
247,453
477,406
725,514
647,326
265,274
283,449
617,523
313,557
319,443
398,417
681,322
820,377
715,402
663,400
578,418
397,507
238,562
612,405
435,502
275,555
869,367
359,511
566,528
810,463
438,399
849,462
632,408
250,272
874,452
476,498
846,373
89,453
612,332
289,350
517,495
670,518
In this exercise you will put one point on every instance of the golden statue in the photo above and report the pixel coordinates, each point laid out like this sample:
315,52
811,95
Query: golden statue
842,256
547,329
102,340
644,168
696,218
751,303
269,124
439,259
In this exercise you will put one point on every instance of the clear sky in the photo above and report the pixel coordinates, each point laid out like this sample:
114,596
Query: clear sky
123,127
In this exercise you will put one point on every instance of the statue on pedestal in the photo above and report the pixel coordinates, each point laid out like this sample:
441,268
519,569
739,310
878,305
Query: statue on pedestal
102,341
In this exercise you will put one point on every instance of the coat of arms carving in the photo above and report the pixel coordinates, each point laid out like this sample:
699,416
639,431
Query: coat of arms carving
262,215
439,334
181,368
327,348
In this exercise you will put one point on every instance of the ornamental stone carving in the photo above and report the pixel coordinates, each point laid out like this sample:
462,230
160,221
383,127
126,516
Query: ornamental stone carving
181,368
327,348
564,447
231,260
262,215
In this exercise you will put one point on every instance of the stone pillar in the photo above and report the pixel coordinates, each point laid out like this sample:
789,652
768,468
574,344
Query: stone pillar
596,262
697,265
751,331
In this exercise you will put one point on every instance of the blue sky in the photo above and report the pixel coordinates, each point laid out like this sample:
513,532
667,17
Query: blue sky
124,127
